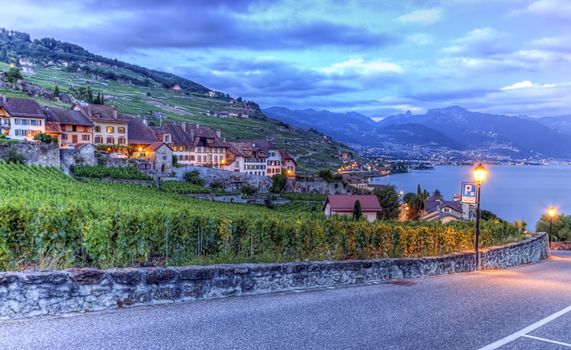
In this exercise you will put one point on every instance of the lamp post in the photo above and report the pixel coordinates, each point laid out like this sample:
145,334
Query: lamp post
552,212
480,173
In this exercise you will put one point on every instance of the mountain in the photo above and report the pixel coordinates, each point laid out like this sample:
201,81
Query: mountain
47,63
455,128
561,123
356,128
515,135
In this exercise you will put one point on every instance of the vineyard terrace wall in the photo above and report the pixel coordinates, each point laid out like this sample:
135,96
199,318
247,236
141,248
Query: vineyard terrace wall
39,293
34,153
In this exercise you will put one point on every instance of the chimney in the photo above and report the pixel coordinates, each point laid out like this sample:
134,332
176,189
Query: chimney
218,133
115,114
183,126
145,122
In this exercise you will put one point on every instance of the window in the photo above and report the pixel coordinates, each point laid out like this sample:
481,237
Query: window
64,136
97,128
167,138
121,141
110,141
110,129
121,130
192,158
74,128
98,139
85,137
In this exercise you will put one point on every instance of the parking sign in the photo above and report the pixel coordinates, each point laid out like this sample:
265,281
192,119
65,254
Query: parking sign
469,192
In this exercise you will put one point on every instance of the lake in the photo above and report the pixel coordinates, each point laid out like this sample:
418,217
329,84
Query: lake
511,192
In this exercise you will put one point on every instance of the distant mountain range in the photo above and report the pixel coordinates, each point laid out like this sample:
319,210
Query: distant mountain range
455,128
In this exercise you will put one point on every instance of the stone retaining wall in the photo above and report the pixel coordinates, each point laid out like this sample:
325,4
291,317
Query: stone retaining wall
35,153
38,293
561,245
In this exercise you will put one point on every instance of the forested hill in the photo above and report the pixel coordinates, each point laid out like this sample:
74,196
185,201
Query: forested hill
49,63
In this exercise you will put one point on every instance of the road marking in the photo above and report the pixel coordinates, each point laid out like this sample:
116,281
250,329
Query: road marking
547,340
526,330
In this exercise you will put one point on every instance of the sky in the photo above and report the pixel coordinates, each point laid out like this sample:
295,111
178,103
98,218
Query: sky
374,57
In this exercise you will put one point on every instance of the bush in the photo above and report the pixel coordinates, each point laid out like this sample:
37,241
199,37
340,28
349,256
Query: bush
100,172
45,138
279,182
248,190
193,177
326,175
13,156
560,229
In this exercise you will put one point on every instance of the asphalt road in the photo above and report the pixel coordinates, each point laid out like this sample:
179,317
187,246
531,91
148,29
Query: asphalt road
521,308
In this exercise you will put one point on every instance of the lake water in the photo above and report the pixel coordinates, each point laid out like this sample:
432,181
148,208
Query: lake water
511,192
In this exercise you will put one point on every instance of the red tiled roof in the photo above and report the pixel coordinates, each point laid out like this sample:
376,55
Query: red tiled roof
195,135
247,150
345,203
101,113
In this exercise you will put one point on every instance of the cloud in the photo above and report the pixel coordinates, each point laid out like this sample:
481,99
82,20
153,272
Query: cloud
554,43
526,84
479,41
550,9
420,39
360,67
424,16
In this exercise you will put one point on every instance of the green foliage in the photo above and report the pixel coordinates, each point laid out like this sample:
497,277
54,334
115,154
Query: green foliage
248,190
415,203
45,138
13,75
217,186
357,211
560,230
56,91
298,196
326,175
193,177
13,156
389,199
50,220
184,187
279,182
101,172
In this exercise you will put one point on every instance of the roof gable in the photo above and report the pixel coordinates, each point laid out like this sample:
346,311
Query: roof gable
22,107
346,203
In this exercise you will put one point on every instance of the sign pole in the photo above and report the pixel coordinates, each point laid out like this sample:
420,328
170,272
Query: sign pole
477,243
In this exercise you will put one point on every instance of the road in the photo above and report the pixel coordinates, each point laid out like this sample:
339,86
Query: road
522,308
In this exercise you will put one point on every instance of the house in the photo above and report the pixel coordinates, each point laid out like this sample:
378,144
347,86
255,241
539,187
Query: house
70,127
109,126
260,157
176,88
344,204
445,211
356,182
155,159
21,118
194,144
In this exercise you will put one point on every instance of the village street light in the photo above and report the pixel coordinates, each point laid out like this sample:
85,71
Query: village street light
480,174
552,212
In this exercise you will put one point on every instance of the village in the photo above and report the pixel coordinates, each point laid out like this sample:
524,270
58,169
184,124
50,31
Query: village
169,150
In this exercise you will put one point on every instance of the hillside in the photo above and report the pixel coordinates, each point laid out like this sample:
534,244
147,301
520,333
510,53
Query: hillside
141,91
561,123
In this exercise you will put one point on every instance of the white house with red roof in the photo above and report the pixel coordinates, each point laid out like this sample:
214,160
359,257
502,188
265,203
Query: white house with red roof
344,204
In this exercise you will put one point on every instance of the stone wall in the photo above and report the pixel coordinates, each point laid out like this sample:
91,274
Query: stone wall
561,245
84,155
35,153
317,186
232,180
36,293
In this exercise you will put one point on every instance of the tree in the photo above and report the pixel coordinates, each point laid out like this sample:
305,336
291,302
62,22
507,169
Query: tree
279,182
56,91
437,194
193,177
45,138
357,212
326,175
560,230
248,190
389,199
13,75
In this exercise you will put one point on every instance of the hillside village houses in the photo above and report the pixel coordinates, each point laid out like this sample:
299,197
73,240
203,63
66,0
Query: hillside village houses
101,125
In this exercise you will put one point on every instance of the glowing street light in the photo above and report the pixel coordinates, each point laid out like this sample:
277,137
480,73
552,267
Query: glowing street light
551,212
480,173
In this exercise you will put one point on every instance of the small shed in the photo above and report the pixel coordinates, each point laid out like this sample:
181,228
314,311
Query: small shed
344,204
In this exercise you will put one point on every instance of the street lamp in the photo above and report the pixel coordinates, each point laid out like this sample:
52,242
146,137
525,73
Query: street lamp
480,173
552,212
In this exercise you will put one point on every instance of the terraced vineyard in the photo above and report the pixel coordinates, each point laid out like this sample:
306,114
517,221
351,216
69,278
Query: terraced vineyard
50,220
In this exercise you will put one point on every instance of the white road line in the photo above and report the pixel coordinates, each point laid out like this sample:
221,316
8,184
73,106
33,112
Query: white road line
526,330
547,340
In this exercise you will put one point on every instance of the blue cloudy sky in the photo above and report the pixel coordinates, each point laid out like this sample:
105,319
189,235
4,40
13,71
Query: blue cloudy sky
375,57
